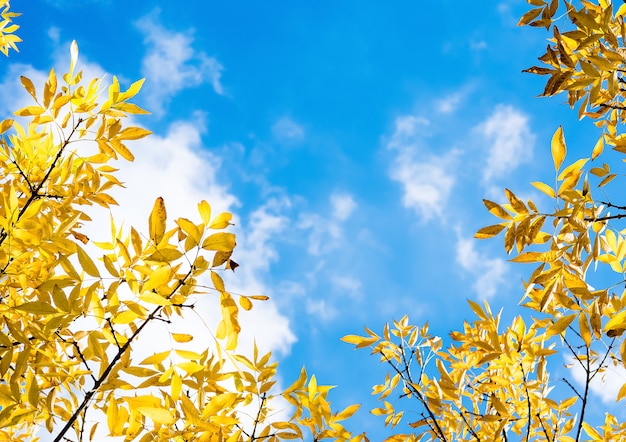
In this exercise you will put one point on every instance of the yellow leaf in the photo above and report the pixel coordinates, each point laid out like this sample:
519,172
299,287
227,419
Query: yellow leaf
218,283
558,148
133,133
584,329
599,147
157,278
188,354
616,322
221,221
158,415
245,303
132,90
153,298
544,188
346,413
516,203
87,263
181,337
73,59
165,255
156,358
37,307
222,241
496,210
559,326
177,384
125,317
536,257
157,220
489,231
121,148
33,391
592,432
29,86
29,111
621,393
205,212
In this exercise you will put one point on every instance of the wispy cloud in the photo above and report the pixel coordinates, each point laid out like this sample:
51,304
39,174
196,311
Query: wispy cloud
489,274
342,206
449,103
426,179
326,232
286,130
510,142
171,64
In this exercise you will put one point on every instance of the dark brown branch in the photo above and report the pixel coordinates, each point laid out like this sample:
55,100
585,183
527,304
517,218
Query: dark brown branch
525,379
583,406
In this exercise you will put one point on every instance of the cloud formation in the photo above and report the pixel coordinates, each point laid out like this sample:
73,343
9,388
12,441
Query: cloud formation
426,179
326,232
488,273
285,130
510,142
171,64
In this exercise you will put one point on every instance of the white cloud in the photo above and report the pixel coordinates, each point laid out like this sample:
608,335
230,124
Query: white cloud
347,285
326,232
510,142
488,273
256,252
286,130
171,64
426,179
449,103
321,309
343,205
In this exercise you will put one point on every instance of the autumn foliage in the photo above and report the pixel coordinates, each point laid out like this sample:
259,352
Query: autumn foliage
492,381
70,317
73,309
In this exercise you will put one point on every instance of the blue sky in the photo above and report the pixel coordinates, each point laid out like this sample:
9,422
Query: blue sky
353,141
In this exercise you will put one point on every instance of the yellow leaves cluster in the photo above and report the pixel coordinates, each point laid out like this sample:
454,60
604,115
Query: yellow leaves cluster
482,385
8,39
70,319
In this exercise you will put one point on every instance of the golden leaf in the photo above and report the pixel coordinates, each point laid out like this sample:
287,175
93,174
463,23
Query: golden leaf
222,241
157,221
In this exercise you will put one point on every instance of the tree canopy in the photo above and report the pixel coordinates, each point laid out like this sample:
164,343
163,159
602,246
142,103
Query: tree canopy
72,309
